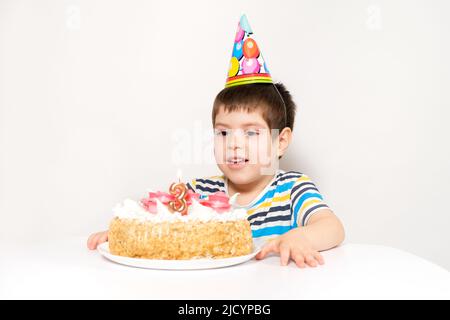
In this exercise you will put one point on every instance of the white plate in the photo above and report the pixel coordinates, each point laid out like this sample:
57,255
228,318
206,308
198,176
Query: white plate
193,264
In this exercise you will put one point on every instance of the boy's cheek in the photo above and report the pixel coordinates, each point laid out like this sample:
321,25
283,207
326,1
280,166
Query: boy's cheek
260,153
219,155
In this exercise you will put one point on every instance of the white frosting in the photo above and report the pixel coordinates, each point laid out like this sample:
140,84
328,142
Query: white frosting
131,209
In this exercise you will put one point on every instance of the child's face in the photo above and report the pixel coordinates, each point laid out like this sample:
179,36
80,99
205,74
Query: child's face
244,147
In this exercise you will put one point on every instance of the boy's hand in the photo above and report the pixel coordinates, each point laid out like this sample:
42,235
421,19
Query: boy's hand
96,239
293,245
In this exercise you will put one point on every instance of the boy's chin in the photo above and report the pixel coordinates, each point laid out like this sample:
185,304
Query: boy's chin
241,176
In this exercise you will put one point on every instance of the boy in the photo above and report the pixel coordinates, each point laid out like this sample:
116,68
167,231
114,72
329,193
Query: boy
253,119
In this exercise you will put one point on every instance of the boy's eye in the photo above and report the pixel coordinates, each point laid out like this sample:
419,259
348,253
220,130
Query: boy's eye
252,133
221,132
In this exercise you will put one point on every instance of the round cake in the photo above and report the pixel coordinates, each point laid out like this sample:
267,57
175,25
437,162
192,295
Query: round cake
178,225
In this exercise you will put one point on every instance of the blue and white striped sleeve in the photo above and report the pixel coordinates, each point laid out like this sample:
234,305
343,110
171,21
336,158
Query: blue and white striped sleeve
305,201
191,185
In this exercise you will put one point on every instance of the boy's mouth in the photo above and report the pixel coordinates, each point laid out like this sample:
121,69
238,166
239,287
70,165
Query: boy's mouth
236,162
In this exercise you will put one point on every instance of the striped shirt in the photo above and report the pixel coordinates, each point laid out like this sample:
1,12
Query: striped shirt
288,201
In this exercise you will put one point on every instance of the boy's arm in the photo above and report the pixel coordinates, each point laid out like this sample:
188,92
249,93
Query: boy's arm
302,244
324,230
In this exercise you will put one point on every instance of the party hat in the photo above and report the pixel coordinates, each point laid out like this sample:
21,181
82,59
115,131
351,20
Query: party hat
247,64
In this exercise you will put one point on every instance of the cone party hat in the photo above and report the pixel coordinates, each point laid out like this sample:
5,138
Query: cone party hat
247,64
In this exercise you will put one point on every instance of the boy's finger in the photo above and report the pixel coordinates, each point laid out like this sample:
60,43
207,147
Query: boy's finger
104,237
299,259
95,241
264,251
92,241
284,254
319,258
88,242
272,246
98,240
310,260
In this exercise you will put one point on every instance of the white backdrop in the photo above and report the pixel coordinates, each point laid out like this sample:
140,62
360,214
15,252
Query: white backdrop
92,93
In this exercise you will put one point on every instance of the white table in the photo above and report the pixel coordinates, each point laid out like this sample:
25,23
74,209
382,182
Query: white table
66,269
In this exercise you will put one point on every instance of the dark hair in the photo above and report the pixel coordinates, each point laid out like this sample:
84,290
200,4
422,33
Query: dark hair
259,96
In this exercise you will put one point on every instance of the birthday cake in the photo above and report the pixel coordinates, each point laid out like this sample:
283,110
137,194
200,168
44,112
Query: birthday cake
179,225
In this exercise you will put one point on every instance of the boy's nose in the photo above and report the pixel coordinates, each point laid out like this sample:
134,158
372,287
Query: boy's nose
236,139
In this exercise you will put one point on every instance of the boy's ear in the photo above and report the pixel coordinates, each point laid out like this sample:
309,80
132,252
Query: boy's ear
284,139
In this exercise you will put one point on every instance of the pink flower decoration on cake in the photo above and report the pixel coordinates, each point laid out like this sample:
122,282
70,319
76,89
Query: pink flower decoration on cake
218,201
